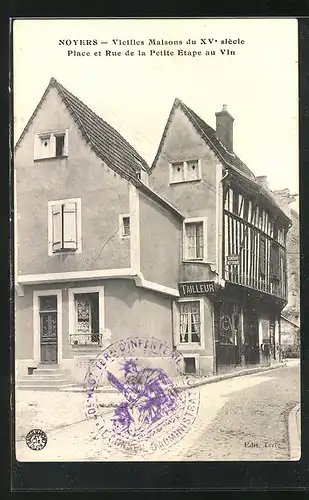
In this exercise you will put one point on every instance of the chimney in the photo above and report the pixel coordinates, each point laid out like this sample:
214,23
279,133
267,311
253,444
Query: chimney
224,128
284,199
262,179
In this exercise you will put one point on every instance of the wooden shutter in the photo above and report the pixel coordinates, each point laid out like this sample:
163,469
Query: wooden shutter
57,227
69,226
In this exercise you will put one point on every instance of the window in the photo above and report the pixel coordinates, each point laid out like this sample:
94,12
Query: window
274,262
190,322
235,203
86,316
194,239
190,365
50,145
87,328
262,255
64,226
185,171
125,226
59,145
246,209
192,170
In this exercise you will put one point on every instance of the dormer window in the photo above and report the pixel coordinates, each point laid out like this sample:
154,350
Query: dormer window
185,171
51,145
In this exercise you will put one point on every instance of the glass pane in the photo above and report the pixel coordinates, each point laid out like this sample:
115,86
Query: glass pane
178,172
83,310
48,325
59,145
192,170
48,303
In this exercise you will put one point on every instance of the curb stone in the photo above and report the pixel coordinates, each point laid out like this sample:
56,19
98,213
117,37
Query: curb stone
294,433
225,376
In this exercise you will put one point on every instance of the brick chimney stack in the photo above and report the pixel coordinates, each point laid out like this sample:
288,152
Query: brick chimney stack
224,128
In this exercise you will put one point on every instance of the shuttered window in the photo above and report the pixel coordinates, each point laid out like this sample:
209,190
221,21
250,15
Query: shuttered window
64,227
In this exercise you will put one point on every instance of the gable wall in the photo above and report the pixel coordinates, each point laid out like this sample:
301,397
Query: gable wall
194,199
104,195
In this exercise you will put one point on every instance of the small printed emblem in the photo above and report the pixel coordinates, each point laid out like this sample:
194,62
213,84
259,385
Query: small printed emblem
36,439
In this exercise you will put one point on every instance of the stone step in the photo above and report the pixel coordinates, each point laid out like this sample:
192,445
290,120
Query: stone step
39,382
50,376
46,387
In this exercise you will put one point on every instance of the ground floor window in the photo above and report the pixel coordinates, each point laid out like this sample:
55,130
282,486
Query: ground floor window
85,318
190,322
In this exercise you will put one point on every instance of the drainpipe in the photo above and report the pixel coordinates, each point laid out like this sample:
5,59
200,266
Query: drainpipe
221,281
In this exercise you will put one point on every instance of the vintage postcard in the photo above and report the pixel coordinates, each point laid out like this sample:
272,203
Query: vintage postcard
156,249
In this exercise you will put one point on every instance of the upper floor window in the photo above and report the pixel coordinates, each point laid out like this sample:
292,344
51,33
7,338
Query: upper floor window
194,236
185,171
64,226
125,226
51,145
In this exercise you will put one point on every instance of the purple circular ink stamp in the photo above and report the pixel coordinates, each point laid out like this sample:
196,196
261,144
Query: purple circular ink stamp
155,403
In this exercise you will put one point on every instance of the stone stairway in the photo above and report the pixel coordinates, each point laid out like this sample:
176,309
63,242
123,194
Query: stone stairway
44,378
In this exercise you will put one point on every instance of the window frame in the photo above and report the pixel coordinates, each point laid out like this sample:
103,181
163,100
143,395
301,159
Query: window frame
121,226
52,134
188,346
54,203
73,315
185,170
194,220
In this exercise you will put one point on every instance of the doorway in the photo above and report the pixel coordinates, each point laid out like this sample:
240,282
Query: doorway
48,321
251,338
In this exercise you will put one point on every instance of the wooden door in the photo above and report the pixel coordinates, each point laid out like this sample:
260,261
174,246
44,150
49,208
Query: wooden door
48,329
251,338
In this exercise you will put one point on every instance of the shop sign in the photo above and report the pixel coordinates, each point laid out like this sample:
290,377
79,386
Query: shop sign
196,288
232,260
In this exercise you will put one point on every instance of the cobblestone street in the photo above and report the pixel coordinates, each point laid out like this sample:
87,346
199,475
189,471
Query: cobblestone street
241,418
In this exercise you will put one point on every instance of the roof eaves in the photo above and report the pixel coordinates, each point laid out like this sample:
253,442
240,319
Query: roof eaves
162,201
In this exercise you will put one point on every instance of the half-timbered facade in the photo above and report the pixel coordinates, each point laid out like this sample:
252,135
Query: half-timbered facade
234,245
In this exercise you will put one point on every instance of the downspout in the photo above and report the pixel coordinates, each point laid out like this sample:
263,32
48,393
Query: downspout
220,270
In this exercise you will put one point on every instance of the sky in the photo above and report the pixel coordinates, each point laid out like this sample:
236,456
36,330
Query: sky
135,93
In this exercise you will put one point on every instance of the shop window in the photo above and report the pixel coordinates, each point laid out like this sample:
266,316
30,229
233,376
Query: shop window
190,322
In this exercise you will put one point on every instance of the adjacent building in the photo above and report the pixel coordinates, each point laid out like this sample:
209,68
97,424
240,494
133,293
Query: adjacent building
191,250
234,234
290,317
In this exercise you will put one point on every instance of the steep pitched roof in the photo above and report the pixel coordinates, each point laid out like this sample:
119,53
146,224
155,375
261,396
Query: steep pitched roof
209,134
104,140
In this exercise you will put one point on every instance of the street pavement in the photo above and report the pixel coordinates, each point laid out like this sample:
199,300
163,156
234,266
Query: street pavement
241,418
